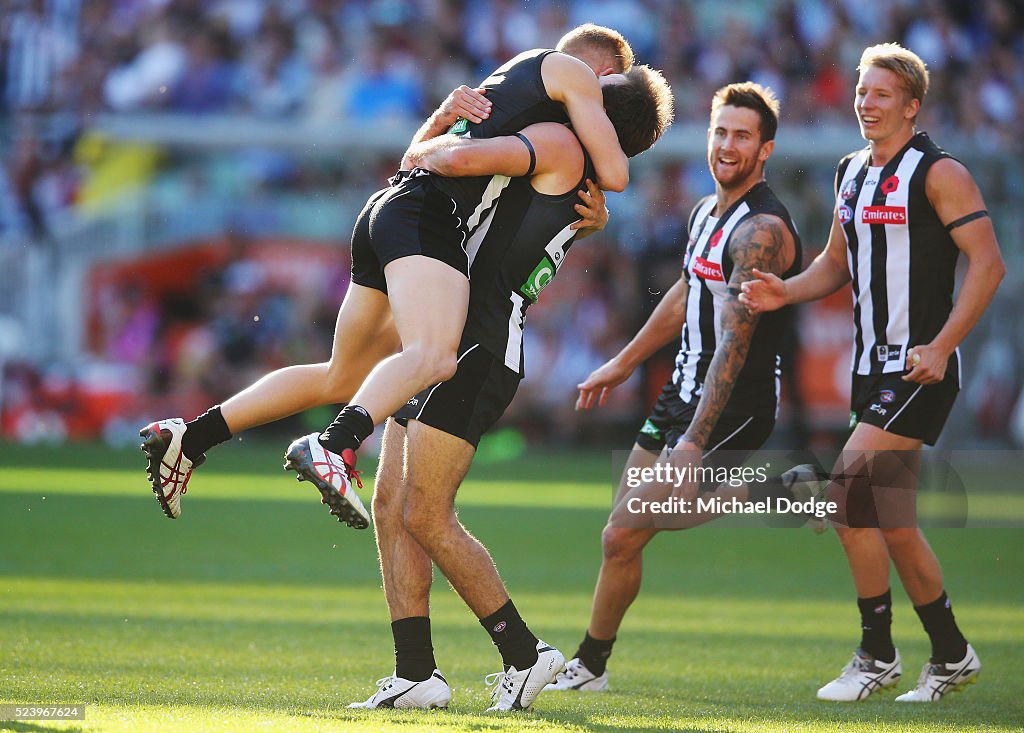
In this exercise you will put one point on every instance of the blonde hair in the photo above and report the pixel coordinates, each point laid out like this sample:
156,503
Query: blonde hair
599,39
904,63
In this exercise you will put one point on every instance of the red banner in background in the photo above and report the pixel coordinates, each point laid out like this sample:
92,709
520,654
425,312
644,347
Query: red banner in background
129,335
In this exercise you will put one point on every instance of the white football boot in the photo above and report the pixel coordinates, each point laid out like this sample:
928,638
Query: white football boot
397,692
332,475
169,469
863,676
937,680
515,690
576,676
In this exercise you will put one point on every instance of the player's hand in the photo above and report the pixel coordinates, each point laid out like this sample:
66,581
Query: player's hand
593,211
600,383
766,293
686,453
466,102
927,364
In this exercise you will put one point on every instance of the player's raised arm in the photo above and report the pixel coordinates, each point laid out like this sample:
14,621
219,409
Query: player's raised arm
765,291
572,83
959,205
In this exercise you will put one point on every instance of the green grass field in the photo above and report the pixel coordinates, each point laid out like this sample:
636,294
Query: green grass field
256,611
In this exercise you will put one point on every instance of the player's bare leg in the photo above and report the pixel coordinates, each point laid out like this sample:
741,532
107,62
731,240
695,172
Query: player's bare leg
429,301
407,572
437,464
406,569
364,335
618,583
175,448
866,550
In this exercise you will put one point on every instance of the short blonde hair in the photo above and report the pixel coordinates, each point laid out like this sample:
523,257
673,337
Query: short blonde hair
599,39
904,63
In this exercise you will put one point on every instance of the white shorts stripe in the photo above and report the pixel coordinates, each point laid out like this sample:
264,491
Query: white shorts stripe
732,435
904,407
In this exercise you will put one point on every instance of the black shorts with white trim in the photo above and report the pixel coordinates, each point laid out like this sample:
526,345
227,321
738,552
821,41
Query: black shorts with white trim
413,217
671,417
469,403
905,408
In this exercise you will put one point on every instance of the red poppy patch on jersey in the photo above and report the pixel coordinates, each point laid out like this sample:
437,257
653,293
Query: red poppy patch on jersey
708,270
884,215
715,239
890,184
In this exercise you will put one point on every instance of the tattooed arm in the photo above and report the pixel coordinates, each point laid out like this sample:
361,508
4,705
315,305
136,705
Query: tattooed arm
763,242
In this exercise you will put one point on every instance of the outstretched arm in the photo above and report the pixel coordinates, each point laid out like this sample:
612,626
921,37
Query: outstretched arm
571,82
766,291
954,194
764,243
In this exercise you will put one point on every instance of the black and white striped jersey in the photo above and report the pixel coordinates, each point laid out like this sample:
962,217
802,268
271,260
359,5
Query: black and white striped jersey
902,260
518,99
708,267
514,254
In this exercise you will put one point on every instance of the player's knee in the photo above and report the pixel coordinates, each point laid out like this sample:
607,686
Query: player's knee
900,536
421,523
431,363
620,543
387,506
338,385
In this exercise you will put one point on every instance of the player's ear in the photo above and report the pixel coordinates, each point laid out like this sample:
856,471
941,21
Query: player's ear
605,71
766,151
913,106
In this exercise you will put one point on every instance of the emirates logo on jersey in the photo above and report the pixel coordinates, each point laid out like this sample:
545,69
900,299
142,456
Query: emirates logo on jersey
884,215
889,185
708,270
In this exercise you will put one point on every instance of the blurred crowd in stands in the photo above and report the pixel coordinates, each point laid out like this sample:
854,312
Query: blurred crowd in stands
63,62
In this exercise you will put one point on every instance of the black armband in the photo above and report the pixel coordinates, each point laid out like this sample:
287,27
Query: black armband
533,154
966,219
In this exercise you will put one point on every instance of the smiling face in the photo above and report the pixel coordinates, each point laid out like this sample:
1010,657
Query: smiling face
884,109
736,155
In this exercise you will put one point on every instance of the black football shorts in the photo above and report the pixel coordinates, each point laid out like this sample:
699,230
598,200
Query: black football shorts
905,408
671,417
411,217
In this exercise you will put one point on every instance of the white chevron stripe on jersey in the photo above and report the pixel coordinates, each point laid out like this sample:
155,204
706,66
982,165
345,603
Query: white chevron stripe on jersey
494,188
477,237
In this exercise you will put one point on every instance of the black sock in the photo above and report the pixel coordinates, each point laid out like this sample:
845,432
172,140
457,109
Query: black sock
515,642
414,652
948,644
350,428
206,431
768,490
594,653
876,626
